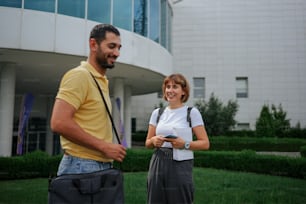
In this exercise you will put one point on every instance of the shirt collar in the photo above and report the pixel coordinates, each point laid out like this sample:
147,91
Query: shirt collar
92,70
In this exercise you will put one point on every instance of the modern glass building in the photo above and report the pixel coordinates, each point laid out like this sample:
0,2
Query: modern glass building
41,39
149,18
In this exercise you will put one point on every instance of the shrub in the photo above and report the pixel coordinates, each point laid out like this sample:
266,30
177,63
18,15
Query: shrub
297,132
30,165
218,118
42,165
139,136
303,151
272,123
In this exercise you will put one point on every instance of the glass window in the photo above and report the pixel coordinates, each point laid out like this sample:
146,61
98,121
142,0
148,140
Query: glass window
163,23
46,5
99,10
122,15
11,3
133,125
199,87
169,37
154,32
74,8
140,17
242,87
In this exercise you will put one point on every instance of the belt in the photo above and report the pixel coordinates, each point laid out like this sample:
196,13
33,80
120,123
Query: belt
110,163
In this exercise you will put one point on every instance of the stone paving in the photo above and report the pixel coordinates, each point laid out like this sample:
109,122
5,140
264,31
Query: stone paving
288,154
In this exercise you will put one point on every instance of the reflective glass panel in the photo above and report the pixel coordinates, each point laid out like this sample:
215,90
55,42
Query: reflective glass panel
163,23
169,37
99,10
154,20
140,17
74,8
122,15
42,5
11,3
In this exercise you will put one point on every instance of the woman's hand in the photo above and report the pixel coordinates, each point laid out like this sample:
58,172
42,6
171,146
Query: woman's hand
177,143
158,140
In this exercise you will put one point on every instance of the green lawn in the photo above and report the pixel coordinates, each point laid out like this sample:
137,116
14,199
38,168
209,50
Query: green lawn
212,186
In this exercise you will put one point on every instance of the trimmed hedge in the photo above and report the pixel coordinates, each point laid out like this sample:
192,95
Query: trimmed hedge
257,144
31,165
249,161
303,151
39,164
236,143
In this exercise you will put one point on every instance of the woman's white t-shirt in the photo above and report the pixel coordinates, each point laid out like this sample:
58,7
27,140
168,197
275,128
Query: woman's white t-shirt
174,118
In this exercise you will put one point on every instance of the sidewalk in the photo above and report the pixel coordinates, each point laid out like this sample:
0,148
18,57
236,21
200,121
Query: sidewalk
288,154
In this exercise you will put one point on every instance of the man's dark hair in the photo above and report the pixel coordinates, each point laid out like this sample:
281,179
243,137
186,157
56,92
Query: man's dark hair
99,31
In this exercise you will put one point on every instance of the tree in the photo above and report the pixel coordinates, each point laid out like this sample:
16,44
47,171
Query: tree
272,123
160,105
281,124
264,124
218,118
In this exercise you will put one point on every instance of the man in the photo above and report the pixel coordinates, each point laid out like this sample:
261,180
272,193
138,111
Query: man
79,114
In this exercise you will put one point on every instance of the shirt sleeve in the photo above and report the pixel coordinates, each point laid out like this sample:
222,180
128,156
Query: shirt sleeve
196,117
153,117
73,88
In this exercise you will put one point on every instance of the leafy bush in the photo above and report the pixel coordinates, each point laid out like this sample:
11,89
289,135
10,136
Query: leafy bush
280,122
272,123
218,118
139,136
264,124
240,133
256,144
296,132
42,165
303,151
30,165
249,161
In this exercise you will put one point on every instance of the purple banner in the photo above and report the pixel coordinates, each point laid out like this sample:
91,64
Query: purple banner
25,110
121,126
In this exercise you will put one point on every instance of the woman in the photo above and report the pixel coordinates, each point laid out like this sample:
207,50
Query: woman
170,181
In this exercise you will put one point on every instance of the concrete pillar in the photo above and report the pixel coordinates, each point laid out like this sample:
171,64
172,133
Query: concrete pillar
127,115
7,98
116,113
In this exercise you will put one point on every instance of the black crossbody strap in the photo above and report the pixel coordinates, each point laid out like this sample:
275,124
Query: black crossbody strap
107,109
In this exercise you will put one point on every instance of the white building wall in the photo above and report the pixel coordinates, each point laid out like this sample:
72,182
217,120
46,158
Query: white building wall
263,40
142,107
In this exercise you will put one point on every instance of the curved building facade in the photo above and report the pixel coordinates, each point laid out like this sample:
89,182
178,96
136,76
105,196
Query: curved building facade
41,39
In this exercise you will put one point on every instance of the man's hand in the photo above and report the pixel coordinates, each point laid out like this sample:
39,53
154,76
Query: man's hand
115,151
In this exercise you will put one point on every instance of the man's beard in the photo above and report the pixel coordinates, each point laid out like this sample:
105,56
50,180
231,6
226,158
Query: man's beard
103,63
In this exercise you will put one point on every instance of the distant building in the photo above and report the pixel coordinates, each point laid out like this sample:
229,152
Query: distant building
245,50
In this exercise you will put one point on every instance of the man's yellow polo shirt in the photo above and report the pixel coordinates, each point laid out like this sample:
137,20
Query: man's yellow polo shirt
79,90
